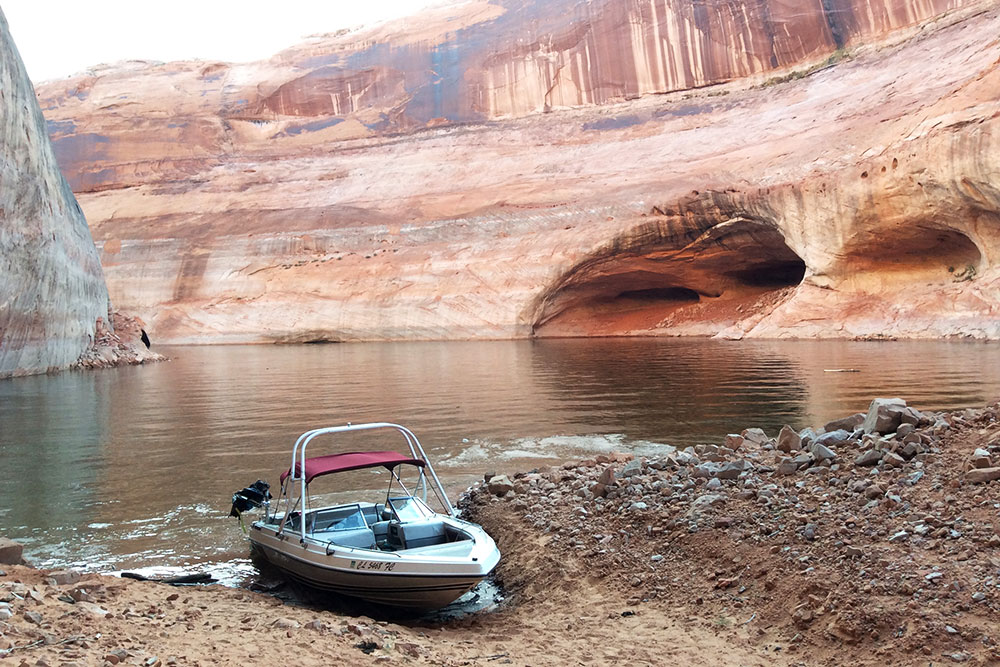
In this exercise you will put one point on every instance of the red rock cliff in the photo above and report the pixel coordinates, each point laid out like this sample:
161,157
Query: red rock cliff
51,287
822,168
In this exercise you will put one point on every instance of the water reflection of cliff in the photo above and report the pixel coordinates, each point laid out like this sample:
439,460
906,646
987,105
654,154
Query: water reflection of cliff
52,431
672,390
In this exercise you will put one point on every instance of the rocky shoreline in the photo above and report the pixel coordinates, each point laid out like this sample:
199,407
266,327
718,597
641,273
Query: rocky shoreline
870,541
878,531
122,344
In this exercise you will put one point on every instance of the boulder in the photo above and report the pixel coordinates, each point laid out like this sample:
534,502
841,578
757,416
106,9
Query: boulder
10,552
788,440
850,423
500,485
884,415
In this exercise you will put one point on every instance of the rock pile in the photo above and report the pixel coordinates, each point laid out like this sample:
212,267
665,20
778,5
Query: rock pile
880,527
120,346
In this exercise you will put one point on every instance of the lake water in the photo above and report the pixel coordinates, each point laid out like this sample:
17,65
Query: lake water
135,467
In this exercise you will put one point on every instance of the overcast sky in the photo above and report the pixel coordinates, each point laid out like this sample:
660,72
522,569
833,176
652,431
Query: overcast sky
57,38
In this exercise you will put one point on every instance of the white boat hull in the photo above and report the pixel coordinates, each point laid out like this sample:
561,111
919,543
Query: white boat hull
423,579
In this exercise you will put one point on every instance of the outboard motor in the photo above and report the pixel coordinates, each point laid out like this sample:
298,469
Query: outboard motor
250,498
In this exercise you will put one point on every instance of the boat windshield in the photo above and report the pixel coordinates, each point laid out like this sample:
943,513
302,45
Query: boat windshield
355,519
408,508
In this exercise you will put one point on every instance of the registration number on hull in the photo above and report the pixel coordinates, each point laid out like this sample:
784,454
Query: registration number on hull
378,565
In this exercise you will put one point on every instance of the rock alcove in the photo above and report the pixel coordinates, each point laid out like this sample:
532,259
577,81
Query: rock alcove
671,279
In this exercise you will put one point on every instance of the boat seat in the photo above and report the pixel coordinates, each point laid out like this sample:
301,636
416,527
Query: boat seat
381,530
415,534
361,538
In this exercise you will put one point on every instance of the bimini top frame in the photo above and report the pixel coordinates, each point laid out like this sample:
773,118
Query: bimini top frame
298,471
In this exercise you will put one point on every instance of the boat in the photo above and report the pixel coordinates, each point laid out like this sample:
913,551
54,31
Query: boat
395,551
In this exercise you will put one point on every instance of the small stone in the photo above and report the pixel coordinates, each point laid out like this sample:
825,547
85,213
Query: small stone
869,458
64,577
788,440
787,466
409,649
884,415
732,469
809,531
893,460
821,452
633,467
755,436
33,617
656,558
713,484
850,423
638,506
285,624
978,597
933,576
734,441
981,475
834,437
10,552
607,477
92,609
874,492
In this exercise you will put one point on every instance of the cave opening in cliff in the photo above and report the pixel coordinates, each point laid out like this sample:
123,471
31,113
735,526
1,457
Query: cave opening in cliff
732,272
772,274
915,253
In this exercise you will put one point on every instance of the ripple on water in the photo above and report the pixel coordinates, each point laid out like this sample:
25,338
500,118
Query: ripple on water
135,467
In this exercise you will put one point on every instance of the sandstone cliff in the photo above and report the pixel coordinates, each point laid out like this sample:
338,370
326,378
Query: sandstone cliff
51,287
735,167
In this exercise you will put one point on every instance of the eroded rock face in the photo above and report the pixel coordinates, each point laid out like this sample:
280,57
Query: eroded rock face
51,287
402,182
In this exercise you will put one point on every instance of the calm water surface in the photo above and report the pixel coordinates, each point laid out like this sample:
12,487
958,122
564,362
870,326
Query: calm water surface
135,467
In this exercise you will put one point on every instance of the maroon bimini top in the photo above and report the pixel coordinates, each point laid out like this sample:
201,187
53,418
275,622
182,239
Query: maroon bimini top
325,465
